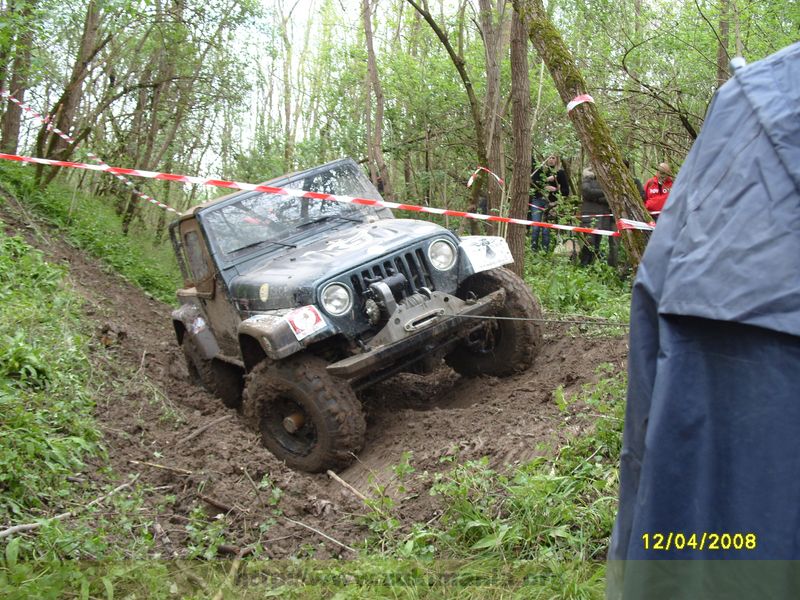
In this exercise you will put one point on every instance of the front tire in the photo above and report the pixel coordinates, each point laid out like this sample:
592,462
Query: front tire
501,347
306,418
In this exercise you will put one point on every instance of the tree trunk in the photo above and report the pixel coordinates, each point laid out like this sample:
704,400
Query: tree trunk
491,113
475,109
58,148
612,174
374,145
9,138
521,125
722,46
288,132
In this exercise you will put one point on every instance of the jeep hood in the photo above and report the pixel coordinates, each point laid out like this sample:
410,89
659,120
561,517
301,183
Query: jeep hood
288,277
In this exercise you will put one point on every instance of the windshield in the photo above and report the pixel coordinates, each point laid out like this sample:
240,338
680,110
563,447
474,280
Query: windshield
257,218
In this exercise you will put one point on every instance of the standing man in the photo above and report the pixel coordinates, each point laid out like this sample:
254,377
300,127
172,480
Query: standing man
547,183
657,189
595,212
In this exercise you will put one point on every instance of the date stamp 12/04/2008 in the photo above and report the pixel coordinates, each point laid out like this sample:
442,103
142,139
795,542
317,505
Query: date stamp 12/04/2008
665,541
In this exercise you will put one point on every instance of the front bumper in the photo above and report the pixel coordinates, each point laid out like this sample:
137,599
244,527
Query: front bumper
416,331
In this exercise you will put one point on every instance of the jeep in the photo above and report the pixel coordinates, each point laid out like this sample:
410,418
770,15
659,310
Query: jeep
291,305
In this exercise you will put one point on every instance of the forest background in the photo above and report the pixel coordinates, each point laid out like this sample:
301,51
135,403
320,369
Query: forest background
420,91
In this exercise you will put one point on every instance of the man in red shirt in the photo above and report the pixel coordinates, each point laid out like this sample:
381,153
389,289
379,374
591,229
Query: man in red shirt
657,189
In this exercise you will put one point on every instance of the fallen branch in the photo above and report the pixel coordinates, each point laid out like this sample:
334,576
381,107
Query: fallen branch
31,526
164,467
219,504
238,550
371,504
250,479
346,485
200,430
326,536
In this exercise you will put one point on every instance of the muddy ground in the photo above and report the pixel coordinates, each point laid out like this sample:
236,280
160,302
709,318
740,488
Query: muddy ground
151,419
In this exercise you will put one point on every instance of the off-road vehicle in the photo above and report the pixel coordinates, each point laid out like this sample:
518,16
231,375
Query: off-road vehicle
291,305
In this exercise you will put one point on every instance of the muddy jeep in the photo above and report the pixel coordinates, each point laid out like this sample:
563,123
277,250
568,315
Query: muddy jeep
292,305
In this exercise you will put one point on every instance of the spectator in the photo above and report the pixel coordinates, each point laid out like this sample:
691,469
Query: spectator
547,183
657,189
595,212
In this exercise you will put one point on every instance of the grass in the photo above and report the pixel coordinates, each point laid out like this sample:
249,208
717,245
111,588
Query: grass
48,430
565,288
91,224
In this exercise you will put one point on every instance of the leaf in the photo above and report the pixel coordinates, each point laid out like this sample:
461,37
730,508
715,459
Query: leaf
12,551
109,588
492,540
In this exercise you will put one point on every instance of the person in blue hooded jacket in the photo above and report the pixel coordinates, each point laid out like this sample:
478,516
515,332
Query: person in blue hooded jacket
709,501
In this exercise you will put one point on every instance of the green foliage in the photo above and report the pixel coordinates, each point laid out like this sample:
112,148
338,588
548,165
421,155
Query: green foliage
564,287
92,225
45,411
48,434
205,536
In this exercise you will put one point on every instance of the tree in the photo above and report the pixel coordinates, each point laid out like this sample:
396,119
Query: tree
49,144
20,13
492,43
612,174
375,141
475,109
521,115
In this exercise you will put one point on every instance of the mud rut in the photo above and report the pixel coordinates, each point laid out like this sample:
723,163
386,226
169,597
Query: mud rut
151,423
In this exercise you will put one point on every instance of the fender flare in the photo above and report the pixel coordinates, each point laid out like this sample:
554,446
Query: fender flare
272,333
188,320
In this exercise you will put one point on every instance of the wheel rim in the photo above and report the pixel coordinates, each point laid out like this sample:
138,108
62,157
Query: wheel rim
486,339
290,425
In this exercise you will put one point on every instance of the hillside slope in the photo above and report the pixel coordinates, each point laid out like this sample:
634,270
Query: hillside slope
151,422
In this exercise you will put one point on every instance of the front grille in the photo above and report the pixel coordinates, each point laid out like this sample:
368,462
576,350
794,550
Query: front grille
412,264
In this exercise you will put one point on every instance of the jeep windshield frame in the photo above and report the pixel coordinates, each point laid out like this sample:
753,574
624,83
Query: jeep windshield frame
250,222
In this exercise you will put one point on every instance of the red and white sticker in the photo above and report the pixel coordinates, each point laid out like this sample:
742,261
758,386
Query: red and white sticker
305,321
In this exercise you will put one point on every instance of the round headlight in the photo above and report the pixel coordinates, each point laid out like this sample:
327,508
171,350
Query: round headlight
336,299
442,254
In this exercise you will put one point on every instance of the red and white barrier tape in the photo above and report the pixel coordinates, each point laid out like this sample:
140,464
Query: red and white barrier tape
623,224
236,185
578,100
68,138
478,170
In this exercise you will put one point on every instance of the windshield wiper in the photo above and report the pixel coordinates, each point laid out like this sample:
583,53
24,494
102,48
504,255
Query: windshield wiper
325,218
254,244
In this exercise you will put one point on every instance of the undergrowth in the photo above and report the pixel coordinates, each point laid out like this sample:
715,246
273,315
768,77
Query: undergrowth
542,528
92,225
47,429
567,289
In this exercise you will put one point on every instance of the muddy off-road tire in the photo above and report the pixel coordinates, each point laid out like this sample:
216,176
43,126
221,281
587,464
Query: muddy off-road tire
306,418
222,380
501,347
